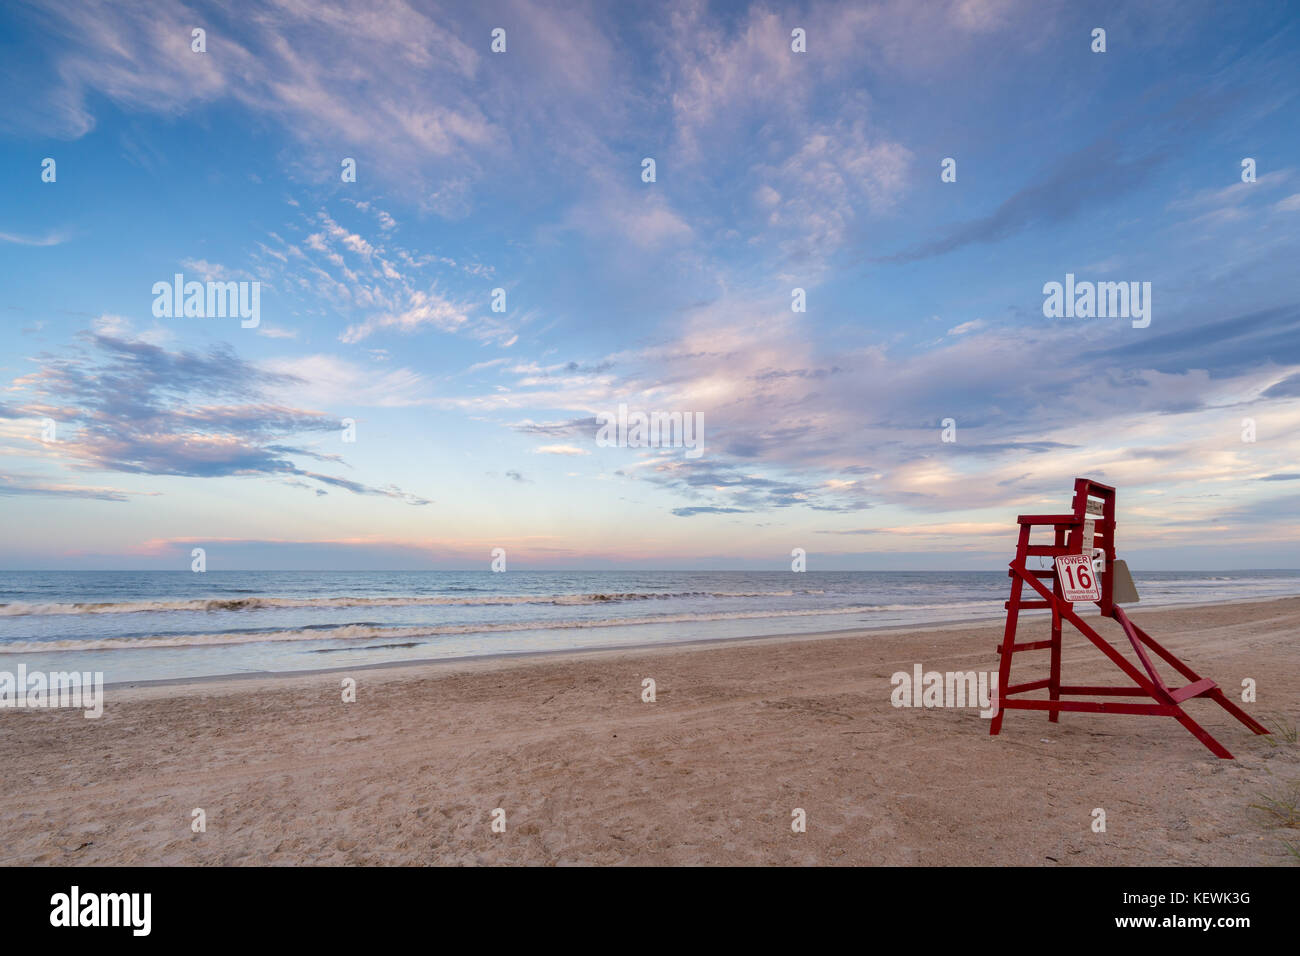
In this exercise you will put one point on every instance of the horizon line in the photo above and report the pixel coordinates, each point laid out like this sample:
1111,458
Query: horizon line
578,570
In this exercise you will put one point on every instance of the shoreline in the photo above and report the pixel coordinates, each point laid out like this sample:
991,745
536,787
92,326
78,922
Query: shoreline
958,624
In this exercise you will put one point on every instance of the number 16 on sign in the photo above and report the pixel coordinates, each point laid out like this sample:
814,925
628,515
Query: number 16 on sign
1078,579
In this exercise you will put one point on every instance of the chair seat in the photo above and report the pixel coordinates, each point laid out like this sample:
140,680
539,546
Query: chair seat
1203,686
1049,519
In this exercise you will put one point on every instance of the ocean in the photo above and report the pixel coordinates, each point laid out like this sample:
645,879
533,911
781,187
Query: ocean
150,625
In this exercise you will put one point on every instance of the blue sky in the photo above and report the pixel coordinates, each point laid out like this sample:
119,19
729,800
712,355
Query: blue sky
522,171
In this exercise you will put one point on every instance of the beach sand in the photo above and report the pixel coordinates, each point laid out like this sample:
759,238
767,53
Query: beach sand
741,733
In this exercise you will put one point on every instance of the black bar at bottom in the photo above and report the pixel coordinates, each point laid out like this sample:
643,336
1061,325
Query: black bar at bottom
304,905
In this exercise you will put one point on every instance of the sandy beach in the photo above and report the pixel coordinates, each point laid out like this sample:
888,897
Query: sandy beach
741,734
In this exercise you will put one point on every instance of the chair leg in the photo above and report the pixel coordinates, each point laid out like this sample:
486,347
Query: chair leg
1008,640
1202,734
1054,679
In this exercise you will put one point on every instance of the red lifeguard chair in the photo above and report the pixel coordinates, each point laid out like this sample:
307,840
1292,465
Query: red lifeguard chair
1083,551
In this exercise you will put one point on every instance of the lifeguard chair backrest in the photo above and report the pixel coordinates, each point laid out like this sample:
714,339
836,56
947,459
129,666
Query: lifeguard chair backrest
1094,508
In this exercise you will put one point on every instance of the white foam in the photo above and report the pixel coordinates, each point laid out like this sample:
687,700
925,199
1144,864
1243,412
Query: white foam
368,632
19,609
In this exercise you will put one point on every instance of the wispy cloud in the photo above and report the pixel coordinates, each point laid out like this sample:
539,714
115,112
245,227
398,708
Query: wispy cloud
17,486
53,239
141,409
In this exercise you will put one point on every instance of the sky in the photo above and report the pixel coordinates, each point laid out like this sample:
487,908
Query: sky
382,414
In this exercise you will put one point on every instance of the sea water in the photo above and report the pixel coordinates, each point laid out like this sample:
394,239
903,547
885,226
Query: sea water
148,625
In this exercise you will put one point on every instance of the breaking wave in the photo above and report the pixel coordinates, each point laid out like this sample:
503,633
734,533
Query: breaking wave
258,603
369,631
